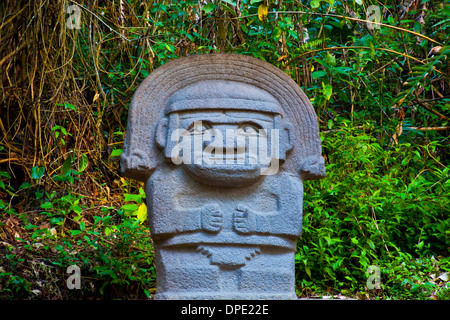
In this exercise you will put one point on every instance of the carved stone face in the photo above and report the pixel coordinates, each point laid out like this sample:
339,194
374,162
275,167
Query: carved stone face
225,148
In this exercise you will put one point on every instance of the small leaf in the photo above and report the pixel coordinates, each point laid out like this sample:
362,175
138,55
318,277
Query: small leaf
331,59
132,197
420,245
315,4
24,185
67,165
330,124
142,213
130,207
327,90
37,172
318,74
277,32
116,152
46,205
83,162
263,11
169,47
75,232
227,8
69,106
5,174
372,48
308,271
209,7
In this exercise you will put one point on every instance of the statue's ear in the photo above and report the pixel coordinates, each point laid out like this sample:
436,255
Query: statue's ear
313,168
288,136
161,133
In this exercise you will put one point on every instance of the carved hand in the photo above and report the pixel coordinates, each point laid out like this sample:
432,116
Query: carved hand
244,220
212,218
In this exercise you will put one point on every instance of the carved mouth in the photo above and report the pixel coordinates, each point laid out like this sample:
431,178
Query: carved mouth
226,175
227,160
230,158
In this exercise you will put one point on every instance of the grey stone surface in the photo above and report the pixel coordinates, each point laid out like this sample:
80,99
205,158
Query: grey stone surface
223,143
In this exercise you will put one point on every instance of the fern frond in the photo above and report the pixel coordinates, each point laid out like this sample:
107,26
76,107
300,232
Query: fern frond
419,74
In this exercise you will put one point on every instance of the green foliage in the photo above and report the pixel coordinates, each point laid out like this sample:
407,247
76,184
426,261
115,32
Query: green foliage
377,206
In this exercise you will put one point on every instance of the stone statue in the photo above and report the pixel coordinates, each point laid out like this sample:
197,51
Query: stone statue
223,143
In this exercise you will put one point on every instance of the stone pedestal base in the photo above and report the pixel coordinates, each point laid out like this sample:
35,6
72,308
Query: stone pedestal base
225,272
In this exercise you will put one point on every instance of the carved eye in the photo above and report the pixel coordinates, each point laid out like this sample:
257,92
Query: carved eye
199,128
249,130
